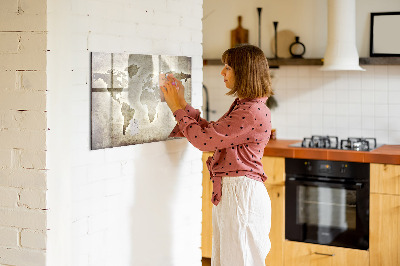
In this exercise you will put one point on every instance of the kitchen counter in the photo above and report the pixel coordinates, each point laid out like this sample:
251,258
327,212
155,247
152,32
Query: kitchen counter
389,154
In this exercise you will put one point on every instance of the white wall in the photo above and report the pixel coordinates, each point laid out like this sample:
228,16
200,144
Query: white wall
311,102
306,19
23,133
133,205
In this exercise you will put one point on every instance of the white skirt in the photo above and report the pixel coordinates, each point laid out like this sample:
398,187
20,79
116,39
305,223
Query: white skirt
241,223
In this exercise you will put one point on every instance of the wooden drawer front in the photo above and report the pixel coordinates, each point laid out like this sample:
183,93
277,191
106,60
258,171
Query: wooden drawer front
274,168
304,254
384,237
385,178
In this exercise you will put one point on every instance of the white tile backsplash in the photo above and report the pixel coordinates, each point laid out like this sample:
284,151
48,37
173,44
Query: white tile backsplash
367,96
329,109
342,123
381,83
304,82
394,110
394,123
342,96
381,97
381,110
394,97
380,71
346,103
382,136
394,137
394,82
367,110
342,109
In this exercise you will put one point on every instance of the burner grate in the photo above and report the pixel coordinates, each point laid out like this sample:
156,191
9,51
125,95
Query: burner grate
358,144
332,142
327,142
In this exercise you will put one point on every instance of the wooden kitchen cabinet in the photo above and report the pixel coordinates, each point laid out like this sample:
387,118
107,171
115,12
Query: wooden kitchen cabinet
277,233
206,225
274,168
385,215
384,236
305,254
385,178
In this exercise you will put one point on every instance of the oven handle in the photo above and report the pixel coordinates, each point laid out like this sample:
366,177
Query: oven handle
357,185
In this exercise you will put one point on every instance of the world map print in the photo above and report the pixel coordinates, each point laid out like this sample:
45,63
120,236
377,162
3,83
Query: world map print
127,105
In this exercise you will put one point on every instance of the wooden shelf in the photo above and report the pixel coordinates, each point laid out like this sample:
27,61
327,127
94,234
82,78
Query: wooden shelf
274,63
380,61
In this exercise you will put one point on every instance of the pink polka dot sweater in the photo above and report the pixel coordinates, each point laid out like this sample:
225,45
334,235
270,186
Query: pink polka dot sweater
238,139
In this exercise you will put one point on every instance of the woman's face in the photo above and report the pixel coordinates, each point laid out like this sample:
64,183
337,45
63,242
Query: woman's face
229,76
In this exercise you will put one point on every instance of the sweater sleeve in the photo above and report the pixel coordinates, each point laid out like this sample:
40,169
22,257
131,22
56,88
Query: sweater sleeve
193,113
229,131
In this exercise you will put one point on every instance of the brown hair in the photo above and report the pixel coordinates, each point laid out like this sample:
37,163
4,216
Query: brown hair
250,66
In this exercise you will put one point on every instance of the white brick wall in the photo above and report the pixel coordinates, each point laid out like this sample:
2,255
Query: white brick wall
8,197
33,239
134,205
9,237
23,132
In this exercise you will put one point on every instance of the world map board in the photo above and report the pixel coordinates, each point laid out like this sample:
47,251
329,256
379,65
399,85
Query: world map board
127,105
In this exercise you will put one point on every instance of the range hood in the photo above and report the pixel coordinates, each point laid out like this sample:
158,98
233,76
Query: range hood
341,51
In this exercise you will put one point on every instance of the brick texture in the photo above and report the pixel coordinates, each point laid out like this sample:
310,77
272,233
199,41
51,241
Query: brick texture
9,237
17,256
45,70
23,125
23,218
33,239
8,197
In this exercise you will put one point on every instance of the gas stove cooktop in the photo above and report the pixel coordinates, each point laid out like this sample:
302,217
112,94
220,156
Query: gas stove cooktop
332,142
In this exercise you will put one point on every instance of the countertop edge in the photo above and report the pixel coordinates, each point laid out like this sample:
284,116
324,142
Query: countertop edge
386,154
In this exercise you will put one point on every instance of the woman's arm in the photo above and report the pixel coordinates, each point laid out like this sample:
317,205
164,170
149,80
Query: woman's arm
239,127
193,113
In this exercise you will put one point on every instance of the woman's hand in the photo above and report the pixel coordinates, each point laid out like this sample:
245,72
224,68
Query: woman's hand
181,92
173,93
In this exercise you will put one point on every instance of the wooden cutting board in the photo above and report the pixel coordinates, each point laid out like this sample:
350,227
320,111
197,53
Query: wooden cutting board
239,35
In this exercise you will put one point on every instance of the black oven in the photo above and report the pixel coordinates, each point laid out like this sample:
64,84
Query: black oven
327,202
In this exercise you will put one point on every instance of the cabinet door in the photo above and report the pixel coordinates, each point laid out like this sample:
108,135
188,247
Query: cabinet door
384,230
274,168
385,178
277,233
206,226
304,254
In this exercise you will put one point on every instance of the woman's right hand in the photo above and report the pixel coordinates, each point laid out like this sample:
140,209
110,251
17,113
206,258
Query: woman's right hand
181,91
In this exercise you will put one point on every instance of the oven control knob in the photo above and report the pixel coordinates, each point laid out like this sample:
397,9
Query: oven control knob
308,166
343,168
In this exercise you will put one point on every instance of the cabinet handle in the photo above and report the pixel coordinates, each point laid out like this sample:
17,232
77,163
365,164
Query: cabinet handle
324,254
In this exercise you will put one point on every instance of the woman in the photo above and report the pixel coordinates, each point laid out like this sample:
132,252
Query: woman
242,208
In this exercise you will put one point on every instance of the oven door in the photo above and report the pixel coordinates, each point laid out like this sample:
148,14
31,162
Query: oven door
327,213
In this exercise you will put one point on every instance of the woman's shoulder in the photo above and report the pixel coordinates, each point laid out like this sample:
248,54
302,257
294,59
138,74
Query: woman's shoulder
254,105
